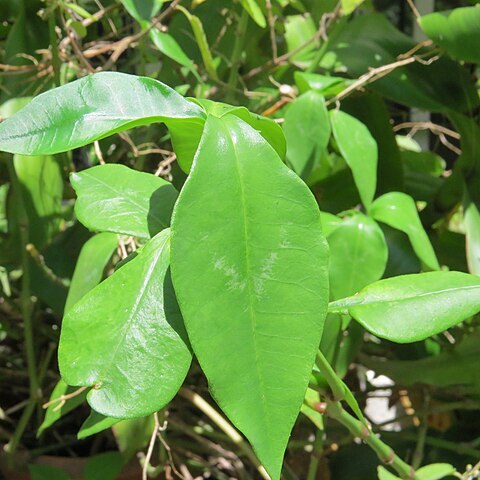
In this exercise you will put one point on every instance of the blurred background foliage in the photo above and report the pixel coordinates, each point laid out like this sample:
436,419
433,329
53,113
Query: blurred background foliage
410,78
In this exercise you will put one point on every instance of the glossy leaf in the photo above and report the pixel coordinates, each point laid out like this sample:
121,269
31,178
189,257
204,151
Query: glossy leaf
307,130
249,265
96,423
410,308
359,150
89,109
135,203
358,255
399,211
53,413
90,266
457,31
126,339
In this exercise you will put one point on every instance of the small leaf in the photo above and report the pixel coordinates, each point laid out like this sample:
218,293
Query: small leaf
359,149
135,203
384,474
170,47
472,231
251,278
457,31
398,210
358,255
307,130
95,423
80,11
253,9
202,42
54,413
436,471
91,263
410,308
126,339
89,109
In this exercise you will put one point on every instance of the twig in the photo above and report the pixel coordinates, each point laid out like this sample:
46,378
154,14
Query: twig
412,6
151,444
376,73
62,399
433,127
271,26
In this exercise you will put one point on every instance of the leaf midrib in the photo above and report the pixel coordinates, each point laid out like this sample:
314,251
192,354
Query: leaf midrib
251,308
334,306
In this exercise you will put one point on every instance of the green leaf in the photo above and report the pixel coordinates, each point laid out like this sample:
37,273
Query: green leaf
457,31
47,472
299,29
359,150
170,47
142,10
105,466
95,423
40,182
90,266
323,84
251,278
80,11
133,435
358,255
384,474
307,130
472,231
253,9
54,413
436,471
202,42
410,308
135,203
126,339
399,211
89,109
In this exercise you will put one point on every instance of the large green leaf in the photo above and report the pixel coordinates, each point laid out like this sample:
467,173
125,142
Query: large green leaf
115,198
126,339
359,150
307,130
91,263
409,308
457,31
358,255
249,265
399,211
89,109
